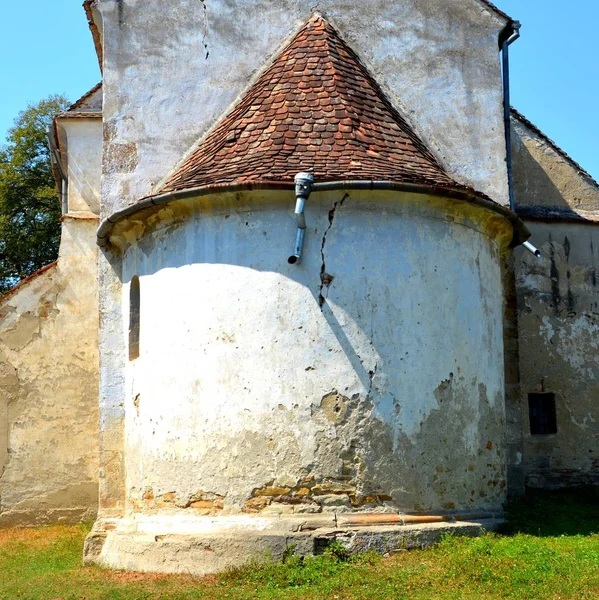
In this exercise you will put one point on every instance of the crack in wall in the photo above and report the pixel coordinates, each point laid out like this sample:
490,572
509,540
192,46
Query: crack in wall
326,278
204,43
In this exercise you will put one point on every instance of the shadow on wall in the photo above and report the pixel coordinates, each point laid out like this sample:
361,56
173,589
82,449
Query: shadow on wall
536,194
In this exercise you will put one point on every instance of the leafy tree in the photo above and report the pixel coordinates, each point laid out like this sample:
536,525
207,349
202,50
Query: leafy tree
29,201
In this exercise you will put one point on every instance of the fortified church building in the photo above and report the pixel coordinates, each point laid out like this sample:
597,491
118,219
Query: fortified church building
309,236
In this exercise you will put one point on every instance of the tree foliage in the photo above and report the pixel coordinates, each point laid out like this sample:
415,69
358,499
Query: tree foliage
29,201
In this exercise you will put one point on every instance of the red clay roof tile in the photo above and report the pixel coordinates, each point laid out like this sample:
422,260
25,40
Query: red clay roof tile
317,109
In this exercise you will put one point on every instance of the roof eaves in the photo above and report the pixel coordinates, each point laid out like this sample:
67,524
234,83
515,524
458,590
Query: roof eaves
520,117
554,213
87,6
457,192
88,114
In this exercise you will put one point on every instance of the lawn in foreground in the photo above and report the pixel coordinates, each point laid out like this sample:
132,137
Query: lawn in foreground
549,550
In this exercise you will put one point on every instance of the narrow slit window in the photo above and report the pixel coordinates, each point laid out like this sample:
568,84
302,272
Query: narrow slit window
134,314
541,411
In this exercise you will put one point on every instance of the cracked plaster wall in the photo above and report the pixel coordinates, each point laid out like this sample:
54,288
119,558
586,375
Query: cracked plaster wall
272,388
171,70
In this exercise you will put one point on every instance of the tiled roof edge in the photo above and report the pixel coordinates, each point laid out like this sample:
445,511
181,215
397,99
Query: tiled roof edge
459,192
520,117
552,213
77,104
87,6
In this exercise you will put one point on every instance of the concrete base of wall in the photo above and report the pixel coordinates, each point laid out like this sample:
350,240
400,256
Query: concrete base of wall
208,545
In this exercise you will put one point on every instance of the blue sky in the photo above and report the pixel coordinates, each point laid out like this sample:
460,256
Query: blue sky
46,47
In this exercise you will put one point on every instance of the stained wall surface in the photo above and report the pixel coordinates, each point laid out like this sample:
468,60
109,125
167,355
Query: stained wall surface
559,351
326,384
558,310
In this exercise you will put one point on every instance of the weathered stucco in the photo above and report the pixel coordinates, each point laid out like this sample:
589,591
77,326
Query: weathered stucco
559,344
325,380
265,390
48,389
558,310
170,72
49,360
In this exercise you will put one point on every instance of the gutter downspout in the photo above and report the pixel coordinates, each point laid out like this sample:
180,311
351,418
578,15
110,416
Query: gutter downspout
505,54
512,33
303,187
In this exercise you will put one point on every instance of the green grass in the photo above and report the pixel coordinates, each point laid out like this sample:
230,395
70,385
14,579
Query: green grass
548,550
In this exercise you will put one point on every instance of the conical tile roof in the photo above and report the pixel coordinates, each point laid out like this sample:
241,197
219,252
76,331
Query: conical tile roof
316,108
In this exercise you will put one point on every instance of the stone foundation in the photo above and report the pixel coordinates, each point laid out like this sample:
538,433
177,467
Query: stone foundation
203,545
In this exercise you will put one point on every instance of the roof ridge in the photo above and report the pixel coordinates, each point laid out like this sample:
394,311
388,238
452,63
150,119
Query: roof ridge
557,148
316,106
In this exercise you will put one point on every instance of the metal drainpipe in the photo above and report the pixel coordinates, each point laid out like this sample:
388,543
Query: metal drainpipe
303,187
505,53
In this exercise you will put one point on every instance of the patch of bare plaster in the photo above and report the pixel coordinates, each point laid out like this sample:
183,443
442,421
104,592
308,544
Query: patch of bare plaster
27,325
9,390
109,131
119,158
455,443
345,425
335,406
25,329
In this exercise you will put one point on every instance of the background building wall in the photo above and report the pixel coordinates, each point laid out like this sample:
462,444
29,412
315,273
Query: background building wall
558,309
559,349
48,389
49,362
